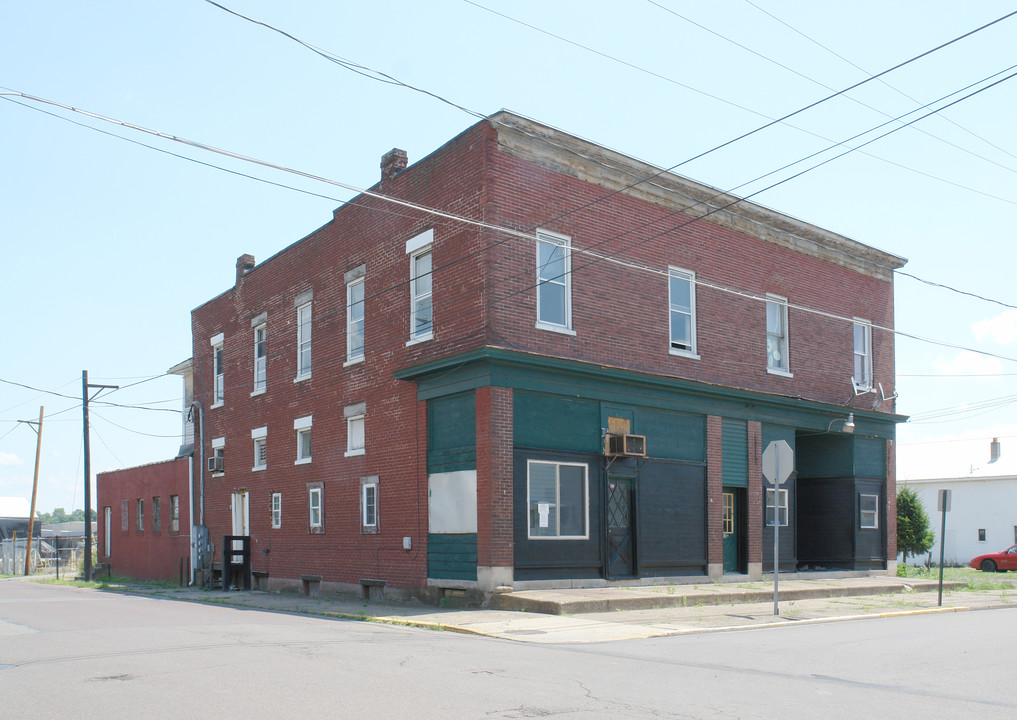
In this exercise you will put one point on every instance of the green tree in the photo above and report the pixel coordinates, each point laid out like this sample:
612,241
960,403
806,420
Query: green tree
914,535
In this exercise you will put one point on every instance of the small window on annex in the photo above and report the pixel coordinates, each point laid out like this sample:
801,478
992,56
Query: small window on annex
981,534
782,511
868,511
174,513
156,514
141,515
557,500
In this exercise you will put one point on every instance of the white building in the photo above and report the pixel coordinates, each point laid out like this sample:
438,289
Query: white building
983,512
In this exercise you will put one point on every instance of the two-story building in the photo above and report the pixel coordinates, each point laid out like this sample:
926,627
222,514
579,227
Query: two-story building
527,360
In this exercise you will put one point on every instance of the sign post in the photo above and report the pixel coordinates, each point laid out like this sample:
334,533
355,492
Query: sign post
944,507
778,462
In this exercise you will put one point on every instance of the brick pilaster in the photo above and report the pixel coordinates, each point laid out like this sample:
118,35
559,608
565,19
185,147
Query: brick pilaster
494,477
714,492
755,494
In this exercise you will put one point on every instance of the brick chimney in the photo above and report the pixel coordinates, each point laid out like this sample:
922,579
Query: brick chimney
245,263
392,163
994,450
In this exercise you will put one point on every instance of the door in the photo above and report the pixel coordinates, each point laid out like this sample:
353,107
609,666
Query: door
241,516
621,546
732,544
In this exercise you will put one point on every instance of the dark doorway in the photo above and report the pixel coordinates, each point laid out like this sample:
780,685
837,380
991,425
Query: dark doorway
733,529
621,550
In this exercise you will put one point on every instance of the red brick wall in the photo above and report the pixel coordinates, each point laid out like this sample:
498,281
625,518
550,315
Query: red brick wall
714,490
148,554
494,477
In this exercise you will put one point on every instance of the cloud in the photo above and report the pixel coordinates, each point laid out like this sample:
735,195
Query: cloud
10,459
969,363
1001,329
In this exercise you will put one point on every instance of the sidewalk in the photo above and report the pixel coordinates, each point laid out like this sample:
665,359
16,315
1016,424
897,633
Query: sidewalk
608,614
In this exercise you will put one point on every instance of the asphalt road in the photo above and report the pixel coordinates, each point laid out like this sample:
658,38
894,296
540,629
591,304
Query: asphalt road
75,653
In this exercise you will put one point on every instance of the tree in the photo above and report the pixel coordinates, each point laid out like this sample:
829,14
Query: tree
914,535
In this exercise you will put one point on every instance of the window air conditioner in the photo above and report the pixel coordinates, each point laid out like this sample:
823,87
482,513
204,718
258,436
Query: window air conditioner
215,464
625,445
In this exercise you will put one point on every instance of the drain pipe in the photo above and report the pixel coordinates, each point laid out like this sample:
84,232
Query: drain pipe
201,480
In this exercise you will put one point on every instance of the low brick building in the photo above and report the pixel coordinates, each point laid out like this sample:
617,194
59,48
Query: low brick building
549,363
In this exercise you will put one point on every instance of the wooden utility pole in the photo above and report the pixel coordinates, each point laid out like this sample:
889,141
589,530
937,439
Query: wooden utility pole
88,469
35,487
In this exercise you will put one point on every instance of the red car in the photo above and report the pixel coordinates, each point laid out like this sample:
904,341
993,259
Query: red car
996,562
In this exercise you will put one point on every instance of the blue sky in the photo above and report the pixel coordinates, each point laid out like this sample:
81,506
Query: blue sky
108,245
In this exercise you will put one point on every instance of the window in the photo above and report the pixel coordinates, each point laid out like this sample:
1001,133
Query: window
421,327
304,341
124,515
174,513
260,358
369,504
355,320
302,426
141,515
156,514
218,371
557,498
314,508
260,437
682,311
218,456
868,511
728,514
863,355
355,430
782,511
277,510
776,335
554,282
981,535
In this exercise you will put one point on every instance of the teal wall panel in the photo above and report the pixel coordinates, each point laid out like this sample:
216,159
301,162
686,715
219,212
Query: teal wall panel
672,435
870,457
556,421
452,433
452,557
825,455
735,452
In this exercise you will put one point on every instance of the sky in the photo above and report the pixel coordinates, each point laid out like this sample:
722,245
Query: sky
110,236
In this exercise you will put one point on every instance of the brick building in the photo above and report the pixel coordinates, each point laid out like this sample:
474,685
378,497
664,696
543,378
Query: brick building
561,376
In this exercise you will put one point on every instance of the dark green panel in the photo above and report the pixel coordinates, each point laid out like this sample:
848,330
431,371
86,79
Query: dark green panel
772,432
452,433
870,457
671,518
735,452
824,455
555,421
452,557
672,435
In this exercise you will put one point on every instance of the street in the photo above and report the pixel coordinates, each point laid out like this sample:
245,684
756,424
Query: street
71,652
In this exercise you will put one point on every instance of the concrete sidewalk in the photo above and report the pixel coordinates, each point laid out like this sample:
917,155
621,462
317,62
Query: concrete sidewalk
608,614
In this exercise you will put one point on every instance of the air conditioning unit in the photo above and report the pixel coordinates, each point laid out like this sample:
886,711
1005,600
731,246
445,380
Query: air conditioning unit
625,445
215,464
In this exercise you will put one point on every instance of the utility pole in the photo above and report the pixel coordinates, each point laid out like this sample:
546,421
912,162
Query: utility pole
85,387
35,486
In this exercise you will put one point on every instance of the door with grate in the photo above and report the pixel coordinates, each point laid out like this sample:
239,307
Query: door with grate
621,549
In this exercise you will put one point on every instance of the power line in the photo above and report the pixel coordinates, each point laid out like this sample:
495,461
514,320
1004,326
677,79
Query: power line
955,290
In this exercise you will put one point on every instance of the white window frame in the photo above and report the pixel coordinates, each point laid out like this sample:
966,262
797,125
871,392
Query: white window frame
356,414
260,438
868,519
557,504
218,371
315,519
369,488
783,510
305,332
276,510
219,451
417,247
781,338
353,323
260,358
675,345
861,355
556,240
302,426
174,526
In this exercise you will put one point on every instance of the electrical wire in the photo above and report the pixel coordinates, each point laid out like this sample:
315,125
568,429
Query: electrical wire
955,290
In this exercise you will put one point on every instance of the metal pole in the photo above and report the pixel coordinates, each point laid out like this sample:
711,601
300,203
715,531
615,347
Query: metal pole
88,478
776,533
35,488
942,553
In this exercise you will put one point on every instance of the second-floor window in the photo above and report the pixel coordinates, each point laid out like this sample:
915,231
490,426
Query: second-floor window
682,311
260,358
302,426
355,432
260,437
355,320
863,355
304,341
174,513
776,334
421,326
218,371
554,281
276,509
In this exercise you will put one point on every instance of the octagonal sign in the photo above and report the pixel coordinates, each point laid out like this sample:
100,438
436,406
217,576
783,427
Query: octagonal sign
778,462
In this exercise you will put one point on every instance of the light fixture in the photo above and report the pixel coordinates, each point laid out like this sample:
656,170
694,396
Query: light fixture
849,423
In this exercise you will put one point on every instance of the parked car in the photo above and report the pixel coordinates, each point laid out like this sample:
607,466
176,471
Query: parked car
996,562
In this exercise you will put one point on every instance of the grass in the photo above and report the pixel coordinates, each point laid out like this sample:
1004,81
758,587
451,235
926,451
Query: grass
972,579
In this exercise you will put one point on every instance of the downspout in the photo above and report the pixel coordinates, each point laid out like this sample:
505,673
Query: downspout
190,488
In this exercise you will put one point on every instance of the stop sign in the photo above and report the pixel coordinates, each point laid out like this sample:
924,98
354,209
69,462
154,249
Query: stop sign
778,462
